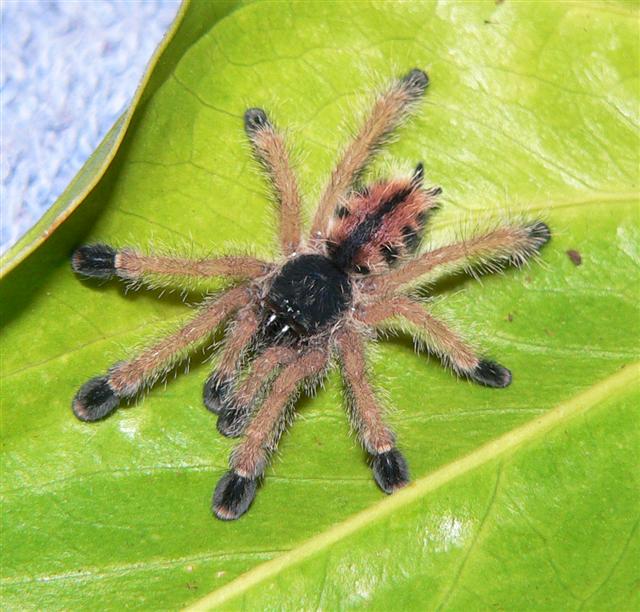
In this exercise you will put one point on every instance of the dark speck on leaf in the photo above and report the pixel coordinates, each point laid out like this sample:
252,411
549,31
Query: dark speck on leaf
575,257
510,317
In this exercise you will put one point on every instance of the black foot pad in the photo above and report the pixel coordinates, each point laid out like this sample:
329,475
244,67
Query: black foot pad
97,260
540,232
231,422
416,79
255,119
390,470
95,400
491,374
215,393
233,496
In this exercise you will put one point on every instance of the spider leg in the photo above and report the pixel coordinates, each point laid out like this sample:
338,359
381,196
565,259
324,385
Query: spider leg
103,261
100,396
506,245
439,338
240,337
389,466
238,406
387,112
270,149
236,489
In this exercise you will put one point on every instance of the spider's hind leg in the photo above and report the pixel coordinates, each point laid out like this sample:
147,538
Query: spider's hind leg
237,488
507,245
389,466
387,113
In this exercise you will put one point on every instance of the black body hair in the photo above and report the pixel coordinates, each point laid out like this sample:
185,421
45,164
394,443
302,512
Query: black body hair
309,293
233,496
95,260
390,470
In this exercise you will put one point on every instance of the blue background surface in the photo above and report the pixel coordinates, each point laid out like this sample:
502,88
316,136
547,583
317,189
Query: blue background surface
67,71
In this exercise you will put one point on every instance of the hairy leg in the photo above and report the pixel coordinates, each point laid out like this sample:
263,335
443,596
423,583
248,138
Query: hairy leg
237,409
239,338
271,150
506,245
439,338
389,466
236,490
387,112
100,396
103,261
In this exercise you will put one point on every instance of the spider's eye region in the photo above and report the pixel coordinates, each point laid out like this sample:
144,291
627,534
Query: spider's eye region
309,293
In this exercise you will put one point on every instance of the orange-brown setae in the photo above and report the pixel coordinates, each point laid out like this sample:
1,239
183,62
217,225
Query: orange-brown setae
318,305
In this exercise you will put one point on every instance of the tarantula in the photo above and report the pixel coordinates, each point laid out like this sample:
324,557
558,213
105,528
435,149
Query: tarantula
322,300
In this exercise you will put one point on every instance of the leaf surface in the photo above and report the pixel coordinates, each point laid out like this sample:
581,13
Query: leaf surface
532,110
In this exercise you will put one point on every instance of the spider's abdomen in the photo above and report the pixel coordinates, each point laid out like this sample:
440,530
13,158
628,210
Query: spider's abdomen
378,225
309,293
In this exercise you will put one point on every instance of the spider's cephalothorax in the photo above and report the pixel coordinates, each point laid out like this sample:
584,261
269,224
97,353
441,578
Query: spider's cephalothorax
320,304
308,294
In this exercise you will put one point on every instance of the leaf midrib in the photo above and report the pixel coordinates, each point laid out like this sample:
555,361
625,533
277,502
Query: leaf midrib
617,384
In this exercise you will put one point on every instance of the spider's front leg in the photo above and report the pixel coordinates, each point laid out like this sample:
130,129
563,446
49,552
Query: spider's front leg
104,261
239,404
237,488
100,396
389,466
439,338
218,387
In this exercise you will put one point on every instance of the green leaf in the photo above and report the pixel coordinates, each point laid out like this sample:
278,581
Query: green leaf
433,545
190,24
524,498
